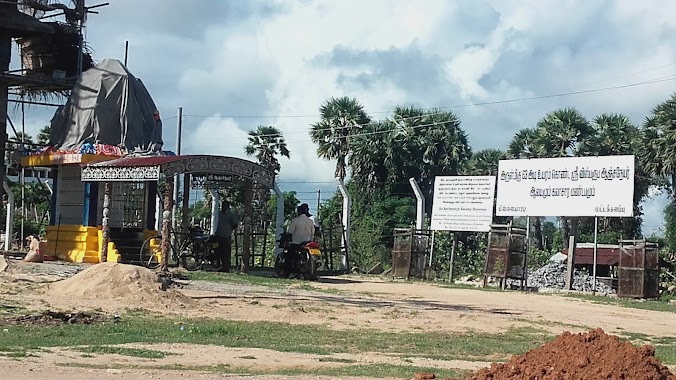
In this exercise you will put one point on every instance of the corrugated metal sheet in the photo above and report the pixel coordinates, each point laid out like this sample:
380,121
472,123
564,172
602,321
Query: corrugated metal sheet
605,255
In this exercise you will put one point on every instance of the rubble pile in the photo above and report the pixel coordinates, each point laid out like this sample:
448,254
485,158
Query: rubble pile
553,276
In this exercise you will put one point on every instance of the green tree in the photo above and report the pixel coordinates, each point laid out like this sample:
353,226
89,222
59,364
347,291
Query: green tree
485,162
522,145
615,134
561,132
266,143
44,135
340,119
372,155
658,155
291,202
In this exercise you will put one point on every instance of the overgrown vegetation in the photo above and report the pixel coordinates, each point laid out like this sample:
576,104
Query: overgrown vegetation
381,155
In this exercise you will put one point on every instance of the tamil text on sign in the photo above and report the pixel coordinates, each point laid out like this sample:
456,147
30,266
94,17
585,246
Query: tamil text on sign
567,186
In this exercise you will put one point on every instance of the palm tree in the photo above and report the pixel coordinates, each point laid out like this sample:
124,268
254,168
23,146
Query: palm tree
340,119
615,134
485,162
659,144
522,144
560,132
266,143
445,145
44,135
372,155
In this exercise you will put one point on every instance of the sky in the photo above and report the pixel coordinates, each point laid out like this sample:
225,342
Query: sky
233,65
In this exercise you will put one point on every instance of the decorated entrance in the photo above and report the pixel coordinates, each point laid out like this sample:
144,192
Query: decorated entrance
142,178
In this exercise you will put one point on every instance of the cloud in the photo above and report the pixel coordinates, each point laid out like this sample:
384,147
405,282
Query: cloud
221,60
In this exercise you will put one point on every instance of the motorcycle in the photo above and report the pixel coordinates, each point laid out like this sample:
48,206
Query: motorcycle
297,259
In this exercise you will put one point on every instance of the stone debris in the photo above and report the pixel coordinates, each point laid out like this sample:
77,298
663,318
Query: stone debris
553,276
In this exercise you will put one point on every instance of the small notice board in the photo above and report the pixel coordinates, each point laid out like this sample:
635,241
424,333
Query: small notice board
463,203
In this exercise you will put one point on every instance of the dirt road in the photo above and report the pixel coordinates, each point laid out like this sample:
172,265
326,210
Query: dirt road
342,303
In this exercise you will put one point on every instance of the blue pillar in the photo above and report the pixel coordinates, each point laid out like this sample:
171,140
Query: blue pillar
87,203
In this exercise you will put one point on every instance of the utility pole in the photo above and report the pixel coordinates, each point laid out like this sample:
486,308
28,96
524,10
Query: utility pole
126,52
179,126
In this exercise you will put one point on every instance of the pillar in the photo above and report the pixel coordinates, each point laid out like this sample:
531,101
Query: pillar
105,229
53,199
246,238
166,222
186,202
5,57
215,202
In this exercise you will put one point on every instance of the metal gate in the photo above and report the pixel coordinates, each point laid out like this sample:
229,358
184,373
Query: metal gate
128,204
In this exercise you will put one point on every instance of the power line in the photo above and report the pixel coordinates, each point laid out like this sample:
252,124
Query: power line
441,123
504,101
384,112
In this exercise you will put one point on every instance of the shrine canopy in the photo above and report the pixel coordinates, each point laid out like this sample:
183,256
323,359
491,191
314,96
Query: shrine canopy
149,168
109,106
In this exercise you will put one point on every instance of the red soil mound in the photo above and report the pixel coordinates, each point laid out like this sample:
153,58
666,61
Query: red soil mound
589,356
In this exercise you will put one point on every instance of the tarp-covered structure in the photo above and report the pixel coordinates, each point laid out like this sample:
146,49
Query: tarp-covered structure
108,105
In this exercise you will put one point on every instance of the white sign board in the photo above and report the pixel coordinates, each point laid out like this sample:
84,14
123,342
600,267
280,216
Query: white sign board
567,186
463,203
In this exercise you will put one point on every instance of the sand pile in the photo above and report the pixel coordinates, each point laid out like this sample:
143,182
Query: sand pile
588,356
130,285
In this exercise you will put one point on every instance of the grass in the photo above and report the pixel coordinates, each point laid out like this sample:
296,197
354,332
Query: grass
275,336
355,370
125,351
20,341
258,280
628,303
237,278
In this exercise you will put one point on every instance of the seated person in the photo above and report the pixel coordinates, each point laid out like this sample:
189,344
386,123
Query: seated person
302,228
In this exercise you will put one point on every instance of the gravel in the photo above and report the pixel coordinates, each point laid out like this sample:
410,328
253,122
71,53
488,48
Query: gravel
553,276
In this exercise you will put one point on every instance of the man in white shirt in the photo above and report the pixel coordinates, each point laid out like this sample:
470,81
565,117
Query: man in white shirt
302,228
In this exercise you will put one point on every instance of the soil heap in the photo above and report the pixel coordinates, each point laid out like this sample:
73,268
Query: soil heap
586,356
130,285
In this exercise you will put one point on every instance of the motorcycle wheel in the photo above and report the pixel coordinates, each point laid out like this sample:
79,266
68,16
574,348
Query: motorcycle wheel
280,267
311,269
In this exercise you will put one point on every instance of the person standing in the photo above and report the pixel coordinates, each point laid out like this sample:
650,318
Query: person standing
156,135
226,225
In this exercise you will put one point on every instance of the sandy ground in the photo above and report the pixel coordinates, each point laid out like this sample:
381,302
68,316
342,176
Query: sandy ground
339,303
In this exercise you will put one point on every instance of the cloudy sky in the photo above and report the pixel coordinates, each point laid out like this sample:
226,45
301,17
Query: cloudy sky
233,65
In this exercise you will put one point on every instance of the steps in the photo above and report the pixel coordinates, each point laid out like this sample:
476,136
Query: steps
128,243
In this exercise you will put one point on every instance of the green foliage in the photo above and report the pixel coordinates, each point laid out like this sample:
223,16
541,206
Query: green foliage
670,227
340,119
43,135
421,144
266,143
291,202
374,218
537,258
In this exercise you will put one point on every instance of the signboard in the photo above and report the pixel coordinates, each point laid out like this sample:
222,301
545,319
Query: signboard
211,181
463,203
567,186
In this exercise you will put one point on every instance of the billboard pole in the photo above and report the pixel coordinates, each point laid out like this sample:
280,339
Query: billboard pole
596,235
452,259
